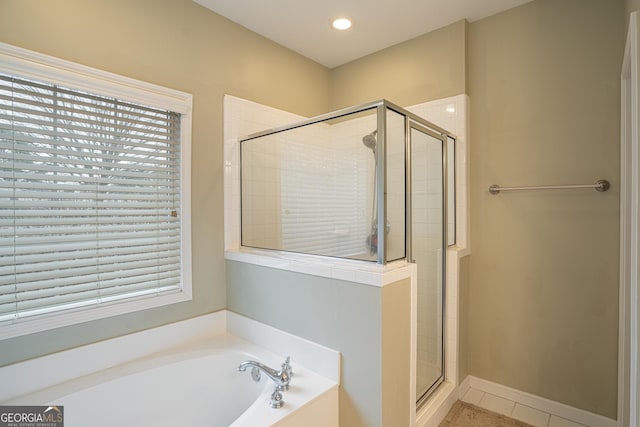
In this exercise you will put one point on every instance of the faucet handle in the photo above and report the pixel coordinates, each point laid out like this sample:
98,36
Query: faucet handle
286,367
285,374
276,398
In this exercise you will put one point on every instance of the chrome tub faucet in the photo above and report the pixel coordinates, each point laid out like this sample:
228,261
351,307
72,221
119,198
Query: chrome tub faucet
281,378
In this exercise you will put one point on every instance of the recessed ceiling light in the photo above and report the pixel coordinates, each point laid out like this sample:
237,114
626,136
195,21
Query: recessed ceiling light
341,23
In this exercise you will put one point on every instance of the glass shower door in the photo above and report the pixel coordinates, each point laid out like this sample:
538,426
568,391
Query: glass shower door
428,252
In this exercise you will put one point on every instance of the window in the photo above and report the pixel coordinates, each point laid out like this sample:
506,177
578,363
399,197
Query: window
94,194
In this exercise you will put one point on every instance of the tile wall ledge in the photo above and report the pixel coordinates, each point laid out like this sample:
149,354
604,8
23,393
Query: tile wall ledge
362,272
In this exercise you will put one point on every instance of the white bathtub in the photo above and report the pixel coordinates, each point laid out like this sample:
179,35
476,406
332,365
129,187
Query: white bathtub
191,386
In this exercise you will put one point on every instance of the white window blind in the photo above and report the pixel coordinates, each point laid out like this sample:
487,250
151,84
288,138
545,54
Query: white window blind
89,199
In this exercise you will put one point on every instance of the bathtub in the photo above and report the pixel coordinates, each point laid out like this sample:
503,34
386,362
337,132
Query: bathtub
191,386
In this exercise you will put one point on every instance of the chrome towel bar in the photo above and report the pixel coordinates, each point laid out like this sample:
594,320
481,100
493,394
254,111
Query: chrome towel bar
600,185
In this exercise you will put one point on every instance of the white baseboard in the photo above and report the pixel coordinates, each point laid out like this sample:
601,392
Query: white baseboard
464,386
536,402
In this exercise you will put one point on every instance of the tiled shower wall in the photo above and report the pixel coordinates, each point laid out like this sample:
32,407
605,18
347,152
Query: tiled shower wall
327,175
306,175
426,242
243,118
261,195
449,114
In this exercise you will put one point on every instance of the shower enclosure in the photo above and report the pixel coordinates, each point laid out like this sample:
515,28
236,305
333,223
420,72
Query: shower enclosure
372,183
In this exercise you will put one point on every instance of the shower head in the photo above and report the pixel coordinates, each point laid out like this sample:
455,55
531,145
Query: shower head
369,141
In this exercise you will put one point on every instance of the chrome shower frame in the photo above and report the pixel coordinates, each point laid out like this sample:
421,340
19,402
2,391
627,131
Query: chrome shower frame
382,106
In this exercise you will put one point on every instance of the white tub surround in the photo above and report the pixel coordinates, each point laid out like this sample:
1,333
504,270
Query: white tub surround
150,376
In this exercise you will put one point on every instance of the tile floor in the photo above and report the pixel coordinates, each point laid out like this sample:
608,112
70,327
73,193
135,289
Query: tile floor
515,410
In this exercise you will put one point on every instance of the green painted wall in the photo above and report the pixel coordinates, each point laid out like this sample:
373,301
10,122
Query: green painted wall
181,45
544,85
428,67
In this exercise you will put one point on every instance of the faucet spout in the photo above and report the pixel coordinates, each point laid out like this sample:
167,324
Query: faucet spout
270,372
281,377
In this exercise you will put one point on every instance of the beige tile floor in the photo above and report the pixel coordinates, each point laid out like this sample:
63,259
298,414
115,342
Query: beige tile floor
515,410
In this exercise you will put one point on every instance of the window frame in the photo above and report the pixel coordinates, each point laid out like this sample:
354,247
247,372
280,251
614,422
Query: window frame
28,64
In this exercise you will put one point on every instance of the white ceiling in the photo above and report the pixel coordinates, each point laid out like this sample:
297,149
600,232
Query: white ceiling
303,25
